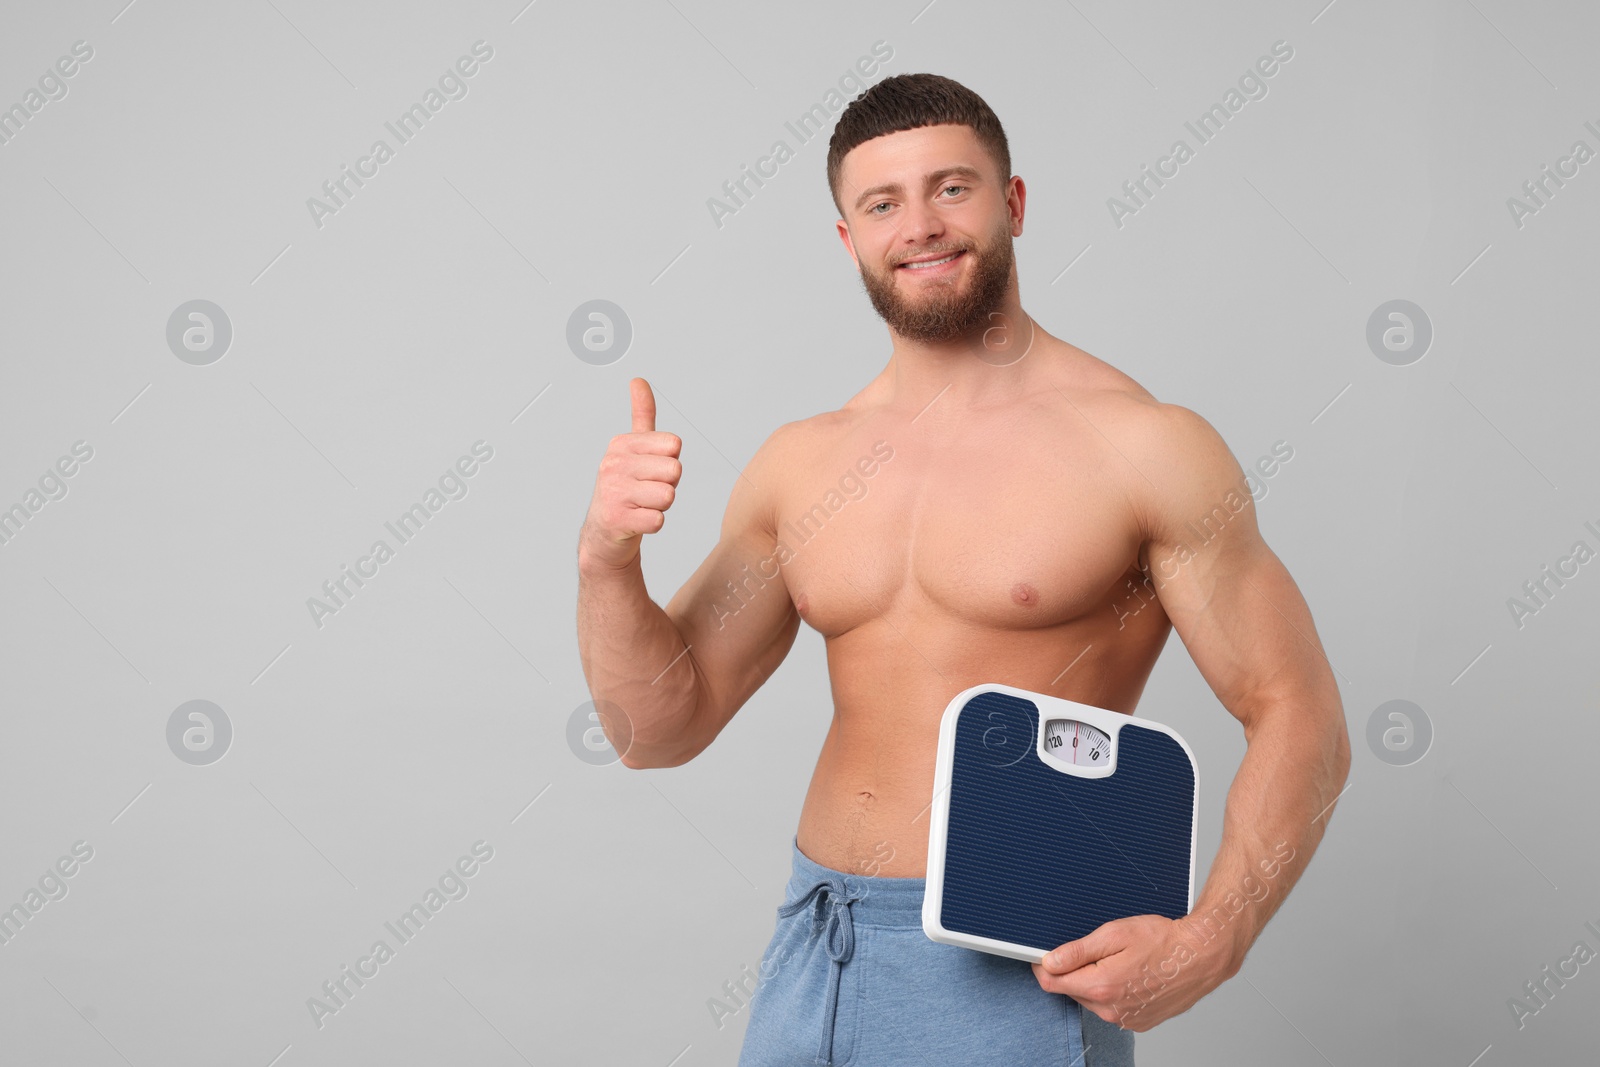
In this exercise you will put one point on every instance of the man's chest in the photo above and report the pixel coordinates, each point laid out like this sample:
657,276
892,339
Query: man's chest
1010,533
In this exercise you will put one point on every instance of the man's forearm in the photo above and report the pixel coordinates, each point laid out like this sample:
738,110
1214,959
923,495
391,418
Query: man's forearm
625,643
1277,810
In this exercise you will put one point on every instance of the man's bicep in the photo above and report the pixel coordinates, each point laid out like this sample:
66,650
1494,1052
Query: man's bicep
735,612
1230,598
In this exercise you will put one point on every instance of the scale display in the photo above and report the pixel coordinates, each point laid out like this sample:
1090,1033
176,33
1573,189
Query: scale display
1077,743
1119,794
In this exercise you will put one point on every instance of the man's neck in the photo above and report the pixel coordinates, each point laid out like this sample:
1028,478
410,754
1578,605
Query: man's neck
986,367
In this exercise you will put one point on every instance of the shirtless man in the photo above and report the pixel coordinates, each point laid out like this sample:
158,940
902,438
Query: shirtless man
1019,512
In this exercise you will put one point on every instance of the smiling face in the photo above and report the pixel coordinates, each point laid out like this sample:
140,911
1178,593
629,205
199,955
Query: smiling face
929,222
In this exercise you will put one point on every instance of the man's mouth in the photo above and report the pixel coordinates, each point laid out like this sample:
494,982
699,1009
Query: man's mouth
930,263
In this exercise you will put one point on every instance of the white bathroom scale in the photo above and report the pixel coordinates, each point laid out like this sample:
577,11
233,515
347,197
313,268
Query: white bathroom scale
1051,817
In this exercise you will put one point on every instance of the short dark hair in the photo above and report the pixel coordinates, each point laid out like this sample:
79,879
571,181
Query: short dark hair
907,102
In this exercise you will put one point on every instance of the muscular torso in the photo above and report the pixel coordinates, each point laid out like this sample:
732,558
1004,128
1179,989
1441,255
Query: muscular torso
996,545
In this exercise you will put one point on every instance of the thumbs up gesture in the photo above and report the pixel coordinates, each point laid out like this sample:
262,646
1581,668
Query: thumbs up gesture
636,485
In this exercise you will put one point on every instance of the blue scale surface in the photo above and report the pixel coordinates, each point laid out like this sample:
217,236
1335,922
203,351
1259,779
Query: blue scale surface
1038,857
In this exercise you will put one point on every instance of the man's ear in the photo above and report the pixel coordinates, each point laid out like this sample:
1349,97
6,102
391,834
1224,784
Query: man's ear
1016,203
849,246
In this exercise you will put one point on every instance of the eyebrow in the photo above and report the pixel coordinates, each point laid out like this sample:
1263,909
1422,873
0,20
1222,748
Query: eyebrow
957,170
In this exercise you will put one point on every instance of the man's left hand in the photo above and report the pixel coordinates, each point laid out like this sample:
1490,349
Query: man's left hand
1139,971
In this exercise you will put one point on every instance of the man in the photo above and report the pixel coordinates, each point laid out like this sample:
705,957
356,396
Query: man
1019,512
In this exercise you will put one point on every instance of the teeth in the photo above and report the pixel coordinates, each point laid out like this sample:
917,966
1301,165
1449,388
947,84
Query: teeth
930,263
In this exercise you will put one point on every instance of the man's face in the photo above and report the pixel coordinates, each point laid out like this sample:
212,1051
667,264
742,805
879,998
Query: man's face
925,195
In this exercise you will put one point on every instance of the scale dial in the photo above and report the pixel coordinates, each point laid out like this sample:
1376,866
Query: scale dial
1075,742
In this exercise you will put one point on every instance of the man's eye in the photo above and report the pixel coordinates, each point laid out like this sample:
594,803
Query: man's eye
947,188
873,210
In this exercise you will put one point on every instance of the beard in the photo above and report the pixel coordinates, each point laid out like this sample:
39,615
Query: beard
940,312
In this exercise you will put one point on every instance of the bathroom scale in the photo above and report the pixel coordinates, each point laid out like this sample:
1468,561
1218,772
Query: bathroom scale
1051,817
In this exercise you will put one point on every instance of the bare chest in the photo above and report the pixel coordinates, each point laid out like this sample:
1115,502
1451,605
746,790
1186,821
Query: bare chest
1010,530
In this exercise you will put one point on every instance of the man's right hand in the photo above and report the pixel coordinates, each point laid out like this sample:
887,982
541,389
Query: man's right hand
637,483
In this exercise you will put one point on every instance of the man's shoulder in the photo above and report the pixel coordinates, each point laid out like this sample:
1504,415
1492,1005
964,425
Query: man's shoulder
1178,459
1108,398
790,440
1114,400
796,442
789,448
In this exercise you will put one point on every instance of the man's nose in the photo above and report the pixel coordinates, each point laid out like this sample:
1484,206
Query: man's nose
921,224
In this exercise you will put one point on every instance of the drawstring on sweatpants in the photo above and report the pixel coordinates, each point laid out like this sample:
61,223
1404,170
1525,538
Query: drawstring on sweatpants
839,936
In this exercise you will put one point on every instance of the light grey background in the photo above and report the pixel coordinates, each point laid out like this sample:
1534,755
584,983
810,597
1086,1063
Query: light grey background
431,311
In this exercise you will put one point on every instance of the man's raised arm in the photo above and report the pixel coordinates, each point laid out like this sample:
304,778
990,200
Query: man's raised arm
679,674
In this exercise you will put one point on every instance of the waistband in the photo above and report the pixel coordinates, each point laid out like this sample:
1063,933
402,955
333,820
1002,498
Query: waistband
876,900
